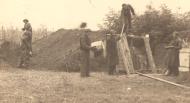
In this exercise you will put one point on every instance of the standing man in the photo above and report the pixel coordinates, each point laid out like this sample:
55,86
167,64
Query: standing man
126,13
112,52
85,47
173,54
28,28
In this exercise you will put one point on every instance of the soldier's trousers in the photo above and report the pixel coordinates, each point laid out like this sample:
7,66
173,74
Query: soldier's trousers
30,41
25,58
85,63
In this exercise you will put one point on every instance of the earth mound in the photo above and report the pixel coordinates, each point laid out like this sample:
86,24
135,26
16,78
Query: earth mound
60,49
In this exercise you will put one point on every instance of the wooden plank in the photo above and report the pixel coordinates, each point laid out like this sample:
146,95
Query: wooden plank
126,65
165,81
128,56
151,62
125,53
120,66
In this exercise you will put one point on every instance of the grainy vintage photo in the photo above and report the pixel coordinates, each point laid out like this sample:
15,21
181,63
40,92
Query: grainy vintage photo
94,51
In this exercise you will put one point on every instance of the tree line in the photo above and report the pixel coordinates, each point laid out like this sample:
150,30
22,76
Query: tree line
159,23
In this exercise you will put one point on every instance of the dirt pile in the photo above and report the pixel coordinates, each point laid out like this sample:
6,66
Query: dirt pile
50,52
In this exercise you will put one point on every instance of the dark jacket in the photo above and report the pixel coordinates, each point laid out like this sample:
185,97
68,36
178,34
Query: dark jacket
85,43
27,27
112,51
173,53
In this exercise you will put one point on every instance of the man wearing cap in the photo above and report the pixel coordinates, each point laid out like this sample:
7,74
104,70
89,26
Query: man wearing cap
85,47
112,52
126,13
26,44
28,28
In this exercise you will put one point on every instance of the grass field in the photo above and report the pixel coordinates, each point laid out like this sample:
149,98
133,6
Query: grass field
33,86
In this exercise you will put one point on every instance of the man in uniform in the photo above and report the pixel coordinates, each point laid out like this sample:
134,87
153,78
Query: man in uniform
126,12
112,52
28,28
173,54
85,47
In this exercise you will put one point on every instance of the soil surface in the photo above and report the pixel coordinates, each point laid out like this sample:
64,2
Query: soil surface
32,86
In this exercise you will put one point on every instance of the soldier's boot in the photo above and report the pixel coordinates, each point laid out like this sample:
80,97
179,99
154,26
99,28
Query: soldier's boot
110,72
20,64
27,62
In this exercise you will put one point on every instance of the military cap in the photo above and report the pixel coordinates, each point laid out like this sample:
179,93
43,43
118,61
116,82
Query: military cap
25,20
123,5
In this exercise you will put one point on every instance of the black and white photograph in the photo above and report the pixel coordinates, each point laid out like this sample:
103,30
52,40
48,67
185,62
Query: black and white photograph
94,51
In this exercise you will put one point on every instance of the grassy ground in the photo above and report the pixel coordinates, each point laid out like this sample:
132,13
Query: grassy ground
32,86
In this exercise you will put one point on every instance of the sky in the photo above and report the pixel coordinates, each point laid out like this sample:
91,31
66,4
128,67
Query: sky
56,14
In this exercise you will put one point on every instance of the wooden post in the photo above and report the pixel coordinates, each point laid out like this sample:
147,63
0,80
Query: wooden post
149,54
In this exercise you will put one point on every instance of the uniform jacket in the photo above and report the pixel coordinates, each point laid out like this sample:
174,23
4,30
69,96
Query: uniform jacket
112,51
85,42
27,27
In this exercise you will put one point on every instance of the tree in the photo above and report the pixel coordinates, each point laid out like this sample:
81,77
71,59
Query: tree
112,22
